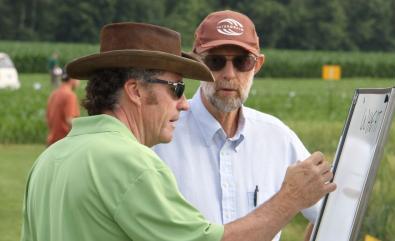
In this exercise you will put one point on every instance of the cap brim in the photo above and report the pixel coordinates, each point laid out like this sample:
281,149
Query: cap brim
188,67
213,44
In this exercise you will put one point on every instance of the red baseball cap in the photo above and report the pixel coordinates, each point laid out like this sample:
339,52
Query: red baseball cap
226,28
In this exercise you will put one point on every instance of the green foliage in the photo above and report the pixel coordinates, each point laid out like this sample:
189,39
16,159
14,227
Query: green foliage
370,24
271,19
308,64
314,24
284,24
32,57
22,112
186,24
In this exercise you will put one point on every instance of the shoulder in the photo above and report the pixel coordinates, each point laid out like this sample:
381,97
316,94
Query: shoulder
265,124
107,150
260,119
127,151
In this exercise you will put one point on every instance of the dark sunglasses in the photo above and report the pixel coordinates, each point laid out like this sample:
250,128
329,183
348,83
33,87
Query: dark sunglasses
176,87
242,63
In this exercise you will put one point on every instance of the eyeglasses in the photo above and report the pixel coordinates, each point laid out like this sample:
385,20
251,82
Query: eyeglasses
242,63
176,87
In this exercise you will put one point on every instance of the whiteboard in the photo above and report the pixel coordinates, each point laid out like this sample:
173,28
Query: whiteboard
356,162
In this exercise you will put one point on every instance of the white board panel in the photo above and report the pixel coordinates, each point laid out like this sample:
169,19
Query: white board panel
356,162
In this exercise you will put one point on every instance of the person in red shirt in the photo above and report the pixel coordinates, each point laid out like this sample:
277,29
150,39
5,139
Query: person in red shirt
61,109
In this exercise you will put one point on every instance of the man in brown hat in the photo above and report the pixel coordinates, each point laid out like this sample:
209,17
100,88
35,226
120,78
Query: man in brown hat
103,182
228,158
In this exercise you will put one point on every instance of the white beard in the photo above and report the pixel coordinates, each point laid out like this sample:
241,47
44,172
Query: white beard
225,104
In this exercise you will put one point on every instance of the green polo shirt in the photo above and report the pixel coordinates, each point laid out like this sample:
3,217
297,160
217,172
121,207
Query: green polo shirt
100,183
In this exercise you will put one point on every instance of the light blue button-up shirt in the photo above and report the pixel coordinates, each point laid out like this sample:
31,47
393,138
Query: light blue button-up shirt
219,175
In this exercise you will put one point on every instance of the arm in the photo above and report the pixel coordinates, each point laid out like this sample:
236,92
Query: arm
71,109
304,184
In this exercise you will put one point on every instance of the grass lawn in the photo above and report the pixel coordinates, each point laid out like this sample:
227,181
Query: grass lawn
15,163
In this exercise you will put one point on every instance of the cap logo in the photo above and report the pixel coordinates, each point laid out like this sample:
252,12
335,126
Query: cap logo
229,26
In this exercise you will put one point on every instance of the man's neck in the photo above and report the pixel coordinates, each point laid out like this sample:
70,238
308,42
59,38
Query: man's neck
228,120
130,122
66,85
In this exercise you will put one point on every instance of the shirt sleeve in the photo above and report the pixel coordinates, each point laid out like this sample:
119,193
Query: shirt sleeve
301,153
153,209
312,212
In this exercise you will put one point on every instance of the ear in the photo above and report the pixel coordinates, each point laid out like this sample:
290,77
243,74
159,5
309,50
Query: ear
259,63
132,91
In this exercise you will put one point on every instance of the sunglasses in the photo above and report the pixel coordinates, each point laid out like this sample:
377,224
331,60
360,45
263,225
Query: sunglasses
176,87
242,63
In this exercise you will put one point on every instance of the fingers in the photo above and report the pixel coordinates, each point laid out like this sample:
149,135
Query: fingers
316,158
326,177
322,170
308,181
330,187
323,167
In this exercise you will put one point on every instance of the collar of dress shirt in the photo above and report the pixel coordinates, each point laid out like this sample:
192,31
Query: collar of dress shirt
209,126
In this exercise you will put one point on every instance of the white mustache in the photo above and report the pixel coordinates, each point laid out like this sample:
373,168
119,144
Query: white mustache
226,85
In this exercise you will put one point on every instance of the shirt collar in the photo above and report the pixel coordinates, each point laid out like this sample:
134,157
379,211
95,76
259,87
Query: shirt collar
208,125
98,124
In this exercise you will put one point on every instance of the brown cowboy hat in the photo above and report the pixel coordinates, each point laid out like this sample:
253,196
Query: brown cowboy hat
139,45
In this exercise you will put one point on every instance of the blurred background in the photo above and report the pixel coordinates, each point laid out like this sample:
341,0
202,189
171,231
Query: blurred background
298,38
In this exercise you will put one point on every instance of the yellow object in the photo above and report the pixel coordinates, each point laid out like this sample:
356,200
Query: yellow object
331,72
370,238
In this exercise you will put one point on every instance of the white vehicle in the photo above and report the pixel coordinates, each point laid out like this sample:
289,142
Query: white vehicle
8,73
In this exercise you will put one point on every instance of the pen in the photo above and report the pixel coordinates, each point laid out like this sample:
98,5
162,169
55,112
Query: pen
256,195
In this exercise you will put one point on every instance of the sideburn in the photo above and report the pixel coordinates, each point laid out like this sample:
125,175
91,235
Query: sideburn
151,98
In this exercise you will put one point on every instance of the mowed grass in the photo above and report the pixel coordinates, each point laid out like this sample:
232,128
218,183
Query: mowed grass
15,163
314,109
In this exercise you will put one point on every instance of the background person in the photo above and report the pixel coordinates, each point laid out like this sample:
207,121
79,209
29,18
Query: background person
54,69
62,107
229,158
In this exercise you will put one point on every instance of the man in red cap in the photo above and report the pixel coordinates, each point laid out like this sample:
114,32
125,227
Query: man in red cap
228,158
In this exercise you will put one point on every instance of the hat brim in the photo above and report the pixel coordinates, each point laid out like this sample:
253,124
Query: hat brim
217,43
188,66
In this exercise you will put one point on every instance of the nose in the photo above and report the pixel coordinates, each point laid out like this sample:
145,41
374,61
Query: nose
182,104
228,72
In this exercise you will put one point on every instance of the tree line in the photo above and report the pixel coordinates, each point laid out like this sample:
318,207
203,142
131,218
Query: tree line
367,25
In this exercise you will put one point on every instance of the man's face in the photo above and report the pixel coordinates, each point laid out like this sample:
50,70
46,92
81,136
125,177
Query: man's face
161,109
232,86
